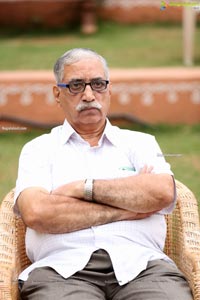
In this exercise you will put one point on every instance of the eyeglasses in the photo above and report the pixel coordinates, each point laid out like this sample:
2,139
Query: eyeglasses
78,86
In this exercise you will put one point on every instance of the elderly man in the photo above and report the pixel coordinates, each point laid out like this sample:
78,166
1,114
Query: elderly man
93,197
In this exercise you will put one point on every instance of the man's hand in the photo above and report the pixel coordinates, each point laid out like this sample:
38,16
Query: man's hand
73,189
146,170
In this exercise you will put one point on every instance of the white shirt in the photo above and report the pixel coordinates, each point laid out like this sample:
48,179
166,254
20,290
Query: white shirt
62,156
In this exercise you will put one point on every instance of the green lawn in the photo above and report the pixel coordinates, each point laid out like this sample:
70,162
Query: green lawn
126,46
180,144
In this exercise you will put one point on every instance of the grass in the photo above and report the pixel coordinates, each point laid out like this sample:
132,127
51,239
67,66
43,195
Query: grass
182,140
181,144
10,148
124,46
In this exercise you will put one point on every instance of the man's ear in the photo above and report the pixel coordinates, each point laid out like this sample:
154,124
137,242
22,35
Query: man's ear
110,88
56,92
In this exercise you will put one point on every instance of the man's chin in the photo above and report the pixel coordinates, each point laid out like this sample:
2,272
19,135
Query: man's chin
91,119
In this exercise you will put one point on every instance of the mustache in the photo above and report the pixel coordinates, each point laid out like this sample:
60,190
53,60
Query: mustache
83,106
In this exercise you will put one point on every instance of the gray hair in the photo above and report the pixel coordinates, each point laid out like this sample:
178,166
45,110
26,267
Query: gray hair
75,55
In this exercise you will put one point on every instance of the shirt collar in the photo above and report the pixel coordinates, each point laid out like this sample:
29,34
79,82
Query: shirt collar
66,132
109,132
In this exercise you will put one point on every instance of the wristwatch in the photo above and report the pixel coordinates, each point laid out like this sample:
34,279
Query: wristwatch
88,189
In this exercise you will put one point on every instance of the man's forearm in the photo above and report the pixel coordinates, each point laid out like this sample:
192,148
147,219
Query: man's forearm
142,193
53,213
66,210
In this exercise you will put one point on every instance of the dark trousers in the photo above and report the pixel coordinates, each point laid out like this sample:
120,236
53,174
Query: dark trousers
97,281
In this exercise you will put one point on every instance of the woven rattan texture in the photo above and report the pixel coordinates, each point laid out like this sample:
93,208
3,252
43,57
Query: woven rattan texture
182,242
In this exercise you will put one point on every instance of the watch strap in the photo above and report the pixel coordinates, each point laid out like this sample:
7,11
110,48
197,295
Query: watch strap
88,190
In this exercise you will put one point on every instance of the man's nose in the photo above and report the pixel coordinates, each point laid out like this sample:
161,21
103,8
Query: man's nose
88,94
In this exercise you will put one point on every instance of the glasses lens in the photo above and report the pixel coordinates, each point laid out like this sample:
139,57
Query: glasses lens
76,86
98,85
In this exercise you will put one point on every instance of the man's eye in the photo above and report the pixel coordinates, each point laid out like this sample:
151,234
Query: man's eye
98,83
76,85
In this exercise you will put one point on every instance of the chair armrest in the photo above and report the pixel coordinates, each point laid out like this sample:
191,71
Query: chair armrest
7,247
183,237
13,257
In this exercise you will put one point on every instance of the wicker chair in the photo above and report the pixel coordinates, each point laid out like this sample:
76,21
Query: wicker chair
182,243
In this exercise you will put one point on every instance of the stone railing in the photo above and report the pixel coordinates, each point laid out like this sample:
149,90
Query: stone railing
149,96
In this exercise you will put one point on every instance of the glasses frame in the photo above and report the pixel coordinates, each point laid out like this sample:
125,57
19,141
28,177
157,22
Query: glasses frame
67,85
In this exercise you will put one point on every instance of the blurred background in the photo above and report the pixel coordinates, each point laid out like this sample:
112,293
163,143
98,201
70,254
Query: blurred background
153,51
